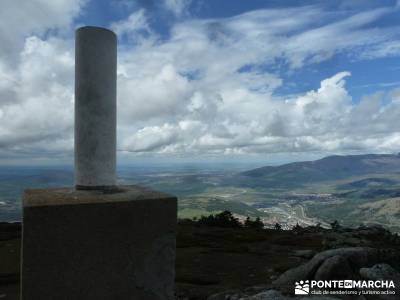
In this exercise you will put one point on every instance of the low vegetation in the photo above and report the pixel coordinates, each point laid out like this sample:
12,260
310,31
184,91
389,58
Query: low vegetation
226,219
218,253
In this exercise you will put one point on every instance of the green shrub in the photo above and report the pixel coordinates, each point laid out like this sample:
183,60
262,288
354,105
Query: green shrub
256,224
223,219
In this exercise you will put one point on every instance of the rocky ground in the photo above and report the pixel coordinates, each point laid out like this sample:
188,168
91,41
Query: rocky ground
10,241
240,263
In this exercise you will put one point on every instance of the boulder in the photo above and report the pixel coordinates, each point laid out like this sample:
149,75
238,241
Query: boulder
352,258
304,253
277,295
380,272
335,267
227,295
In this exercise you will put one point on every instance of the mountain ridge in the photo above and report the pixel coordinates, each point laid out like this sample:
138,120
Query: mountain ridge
328,168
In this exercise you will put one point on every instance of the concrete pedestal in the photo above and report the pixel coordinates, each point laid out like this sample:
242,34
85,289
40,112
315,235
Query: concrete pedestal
98,245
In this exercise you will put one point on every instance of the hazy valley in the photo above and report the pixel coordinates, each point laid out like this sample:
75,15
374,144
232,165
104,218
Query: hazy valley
351,189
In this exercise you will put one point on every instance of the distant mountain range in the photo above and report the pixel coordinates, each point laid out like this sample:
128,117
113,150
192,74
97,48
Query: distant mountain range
354,189
325,169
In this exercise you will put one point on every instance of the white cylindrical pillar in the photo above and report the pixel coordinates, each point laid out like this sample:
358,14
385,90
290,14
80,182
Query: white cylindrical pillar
95,108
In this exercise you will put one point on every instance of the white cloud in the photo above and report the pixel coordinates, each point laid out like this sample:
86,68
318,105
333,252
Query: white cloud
20,19
142,96
151,138
36,76
134,26
37,100
177,7
209,88
386,49
350,34
245,121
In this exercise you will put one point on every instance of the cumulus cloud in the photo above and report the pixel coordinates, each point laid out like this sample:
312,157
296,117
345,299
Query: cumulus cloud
325,119
146,96
37,101
36,76
211,93
20,19
210,86
152,138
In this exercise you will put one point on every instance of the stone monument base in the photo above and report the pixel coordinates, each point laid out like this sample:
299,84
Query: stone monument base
98,245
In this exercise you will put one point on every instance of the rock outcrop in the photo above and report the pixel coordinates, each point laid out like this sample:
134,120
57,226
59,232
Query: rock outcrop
342,263
264,295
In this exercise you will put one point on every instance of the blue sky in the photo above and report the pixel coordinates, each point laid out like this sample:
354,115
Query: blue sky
386,69
227,79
